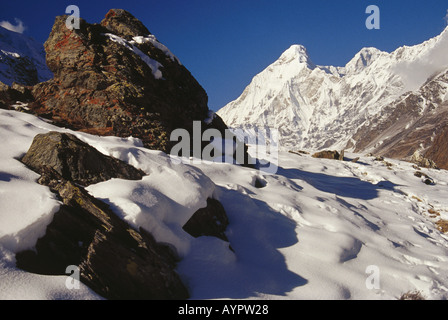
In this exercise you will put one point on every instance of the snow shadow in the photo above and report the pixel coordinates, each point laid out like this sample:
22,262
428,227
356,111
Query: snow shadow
257,269
7,177
349,187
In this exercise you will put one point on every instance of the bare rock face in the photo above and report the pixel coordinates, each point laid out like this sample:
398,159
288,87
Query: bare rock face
415,122
75,160
10,95
115,260
438,151
115,78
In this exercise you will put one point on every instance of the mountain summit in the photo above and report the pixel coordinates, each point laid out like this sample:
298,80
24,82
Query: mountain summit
375,103
296,52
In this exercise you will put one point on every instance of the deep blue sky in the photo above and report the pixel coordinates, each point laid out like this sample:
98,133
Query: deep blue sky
225,43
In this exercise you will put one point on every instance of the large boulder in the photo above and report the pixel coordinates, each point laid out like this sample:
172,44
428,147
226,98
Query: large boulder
75,160
115,78
328,154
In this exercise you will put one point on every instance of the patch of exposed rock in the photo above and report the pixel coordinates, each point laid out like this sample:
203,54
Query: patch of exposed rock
421,161
11,96
75,160
328,154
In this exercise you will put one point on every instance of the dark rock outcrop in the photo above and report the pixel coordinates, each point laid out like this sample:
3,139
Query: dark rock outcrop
438,150
115,260
425,178
10,95
75,160
209,221
103,83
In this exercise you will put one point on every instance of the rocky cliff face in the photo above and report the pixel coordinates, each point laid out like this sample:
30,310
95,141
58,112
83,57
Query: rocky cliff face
115,78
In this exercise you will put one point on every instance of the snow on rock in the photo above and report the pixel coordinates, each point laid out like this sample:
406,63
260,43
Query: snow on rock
311,232
162,202
153,40
153,64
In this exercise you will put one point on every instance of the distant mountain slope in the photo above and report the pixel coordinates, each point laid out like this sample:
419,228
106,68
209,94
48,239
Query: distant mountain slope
353,107
22,59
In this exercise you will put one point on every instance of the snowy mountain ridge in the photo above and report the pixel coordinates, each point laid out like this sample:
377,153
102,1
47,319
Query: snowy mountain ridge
22,59
316,107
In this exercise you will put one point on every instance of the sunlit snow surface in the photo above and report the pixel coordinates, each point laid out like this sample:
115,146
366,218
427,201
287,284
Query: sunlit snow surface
310,233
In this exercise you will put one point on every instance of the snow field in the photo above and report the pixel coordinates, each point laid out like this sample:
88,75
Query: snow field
310,231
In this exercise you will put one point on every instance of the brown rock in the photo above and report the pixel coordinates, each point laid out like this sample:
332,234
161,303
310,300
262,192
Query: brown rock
327,154
438,151
75,160
121,22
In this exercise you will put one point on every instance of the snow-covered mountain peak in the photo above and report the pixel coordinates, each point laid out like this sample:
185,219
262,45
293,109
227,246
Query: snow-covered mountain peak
317,107
363,59
22,59
295,52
